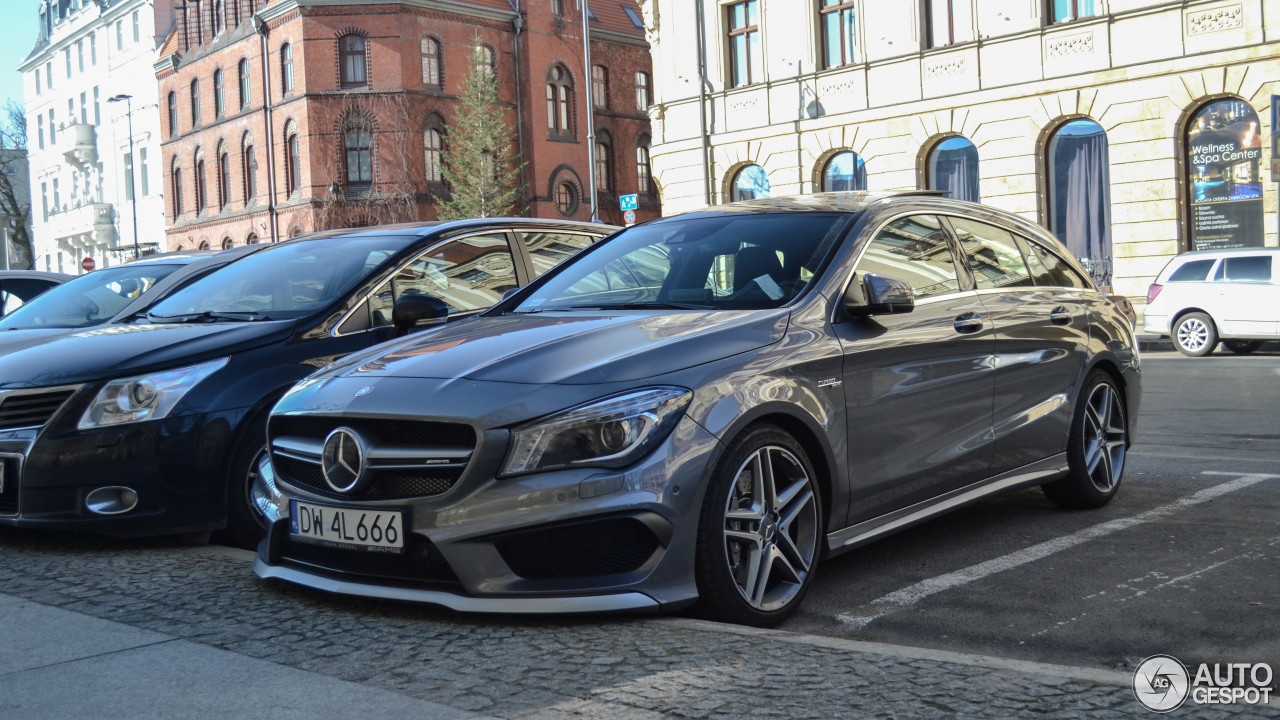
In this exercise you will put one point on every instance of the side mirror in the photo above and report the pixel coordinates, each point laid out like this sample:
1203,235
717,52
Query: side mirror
873,294
415,311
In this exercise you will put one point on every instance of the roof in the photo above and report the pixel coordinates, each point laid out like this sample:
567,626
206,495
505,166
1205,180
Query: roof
35,275
428,227
616,16
1230,251
856,201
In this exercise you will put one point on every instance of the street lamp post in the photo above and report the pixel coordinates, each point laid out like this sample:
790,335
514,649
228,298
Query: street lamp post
133,164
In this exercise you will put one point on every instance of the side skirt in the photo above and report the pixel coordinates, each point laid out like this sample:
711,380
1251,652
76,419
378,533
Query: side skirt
868,530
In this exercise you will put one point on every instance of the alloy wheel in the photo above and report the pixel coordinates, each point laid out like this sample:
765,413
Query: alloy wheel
1193,335
770,528
1105,437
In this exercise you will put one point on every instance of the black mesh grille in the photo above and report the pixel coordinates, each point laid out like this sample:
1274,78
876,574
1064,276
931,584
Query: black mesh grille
300,472
420,564
386,483
31,409
611,546
9,497
376,430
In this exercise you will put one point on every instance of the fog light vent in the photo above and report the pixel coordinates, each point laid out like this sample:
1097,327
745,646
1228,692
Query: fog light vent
111,500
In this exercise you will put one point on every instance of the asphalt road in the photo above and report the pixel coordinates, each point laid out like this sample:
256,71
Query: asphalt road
1185,561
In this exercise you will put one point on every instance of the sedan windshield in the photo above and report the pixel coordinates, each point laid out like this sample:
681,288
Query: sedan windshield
740,261
291,280
89,299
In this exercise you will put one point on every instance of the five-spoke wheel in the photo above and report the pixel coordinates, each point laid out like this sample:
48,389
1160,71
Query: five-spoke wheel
1096,447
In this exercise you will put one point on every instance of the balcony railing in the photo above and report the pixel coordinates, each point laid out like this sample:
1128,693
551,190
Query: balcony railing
89,223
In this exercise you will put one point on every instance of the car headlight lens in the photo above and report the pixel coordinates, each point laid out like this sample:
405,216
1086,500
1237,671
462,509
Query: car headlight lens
613,432
145,397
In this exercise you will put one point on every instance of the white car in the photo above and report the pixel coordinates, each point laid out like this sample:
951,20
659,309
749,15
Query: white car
1210,295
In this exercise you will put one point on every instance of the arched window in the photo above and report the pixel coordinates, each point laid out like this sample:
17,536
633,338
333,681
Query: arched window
559,101
844,171
604,166
644,170
358,142
600,86
1080,194
245,94
750,183
293,160
286,67
204,245
351,54
224,177
195,103
953,168
1224,156
219,97
488,58
431,66
173,113
175,181
226,243
644,93
566,198
250,173
433,147
201,197
252,239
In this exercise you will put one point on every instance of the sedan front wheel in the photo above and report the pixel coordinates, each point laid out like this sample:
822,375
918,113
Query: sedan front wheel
1096,447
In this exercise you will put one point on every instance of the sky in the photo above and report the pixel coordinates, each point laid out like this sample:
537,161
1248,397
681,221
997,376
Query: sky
18,29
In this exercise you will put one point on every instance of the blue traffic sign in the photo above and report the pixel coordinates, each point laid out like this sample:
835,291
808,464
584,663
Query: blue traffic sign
629,202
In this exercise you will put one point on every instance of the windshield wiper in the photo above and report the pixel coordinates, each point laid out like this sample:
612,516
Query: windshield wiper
208,316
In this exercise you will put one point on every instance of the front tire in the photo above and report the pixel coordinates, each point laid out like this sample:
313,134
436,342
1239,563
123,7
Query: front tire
1195,335
1242,347
1096,447
760,531
245,524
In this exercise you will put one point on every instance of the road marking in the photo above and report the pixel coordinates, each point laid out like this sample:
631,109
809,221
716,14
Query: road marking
908,596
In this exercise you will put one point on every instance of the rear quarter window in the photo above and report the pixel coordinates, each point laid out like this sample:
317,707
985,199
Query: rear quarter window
1194,271
1252,268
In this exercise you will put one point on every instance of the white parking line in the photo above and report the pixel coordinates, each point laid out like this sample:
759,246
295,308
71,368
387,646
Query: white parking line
908,596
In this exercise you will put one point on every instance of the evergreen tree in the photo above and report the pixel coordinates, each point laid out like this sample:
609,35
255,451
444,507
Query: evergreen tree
483,180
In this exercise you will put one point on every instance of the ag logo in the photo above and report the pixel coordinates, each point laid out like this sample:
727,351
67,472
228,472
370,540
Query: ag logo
343,460
1161,683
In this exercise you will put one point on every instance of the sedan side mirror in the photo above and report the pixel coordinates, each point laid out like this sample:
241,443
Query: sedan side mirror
878,295
416,311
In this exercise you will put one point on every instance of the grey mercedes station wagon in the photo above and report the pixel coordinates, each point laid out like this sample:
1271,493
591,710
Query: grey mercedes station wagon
701,408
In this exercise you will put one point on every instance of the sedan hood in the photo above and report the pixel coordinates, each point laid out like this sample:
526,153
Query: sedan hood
578,347
120,350
12,341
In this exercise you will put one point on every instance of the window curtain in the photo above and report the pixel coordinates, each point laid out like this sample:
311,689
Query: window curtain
955,171
1082,200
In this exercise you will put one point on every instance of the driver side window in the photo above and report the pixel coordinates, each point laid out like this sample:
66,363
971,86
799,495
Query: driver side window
914,249
467,274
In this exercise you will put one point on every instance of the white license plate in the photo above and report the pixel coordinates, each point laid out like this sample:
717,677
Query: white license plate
374,530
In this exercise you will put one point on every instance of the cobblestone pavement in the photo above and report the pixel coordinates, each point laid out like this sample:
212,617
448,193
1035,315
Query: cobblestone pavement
510,667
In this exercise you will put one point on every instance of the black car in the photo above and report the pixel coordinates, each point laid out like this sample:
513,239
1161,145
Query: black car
20,286
152,427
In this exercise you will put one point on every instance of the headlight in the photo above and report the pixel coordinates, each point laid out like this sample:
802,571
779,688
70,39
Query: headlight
614,432
145,397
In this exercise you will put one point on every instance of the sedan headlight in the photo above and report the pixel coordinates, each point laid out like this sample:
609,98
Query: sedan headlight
145,397
613,432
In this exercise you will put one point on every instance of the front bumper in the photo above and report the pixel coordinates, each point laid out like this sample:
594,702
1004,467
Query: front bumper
564,541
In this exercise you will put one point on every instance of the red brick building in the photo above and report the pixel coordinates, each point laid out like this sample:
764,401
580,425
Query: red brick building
347,121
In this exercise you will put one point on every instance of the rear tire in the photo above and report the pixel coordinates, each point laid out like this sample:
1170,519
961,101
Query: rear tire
1096,447
760,533
1195,335
1242,347
245,525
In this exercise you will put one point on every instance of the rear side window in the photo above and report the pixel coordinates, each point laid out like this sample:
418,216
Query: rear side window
548,249
914,249
1194,271
992,255
1052,270
1252,268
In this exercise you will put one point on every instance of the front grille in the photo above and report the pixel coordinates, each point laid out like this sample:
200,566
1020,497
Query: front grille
386,484
31,409
9,496
376,430
420,564
610,546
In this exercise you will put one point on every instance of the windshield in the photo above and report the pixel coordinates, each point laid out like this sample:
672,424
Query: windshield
89,299
741,262
291,280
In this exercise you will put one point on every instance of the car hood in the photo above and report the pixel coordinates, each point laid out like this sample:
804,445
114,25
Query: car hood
12,341
122,350
576,348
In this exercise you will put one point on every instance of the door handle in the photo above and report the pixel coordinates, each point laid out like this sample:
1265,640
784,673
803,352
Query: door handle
1060,316
968,323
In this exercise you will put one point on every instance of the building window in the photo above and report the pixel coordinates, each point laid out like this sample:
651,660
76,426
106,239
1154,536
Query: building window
145,185
219,17
293,163
644,170
1224,174
1068,10
201,197
1080,195
559,101
173,113
600,86
224,180
746,60
604,166
219,96
53,128
844,171
128,177
48,75
751,183
119,35
175,176
566,198
97,107
352,58
644,93
839,32
557,8
226,243
250,174
433,147
80,55
953,169
252,239
431,63
358,141
93,50
39,85
137,28
44,201
286,67
245,95
66,54
40,130
488,58
195,103
950,22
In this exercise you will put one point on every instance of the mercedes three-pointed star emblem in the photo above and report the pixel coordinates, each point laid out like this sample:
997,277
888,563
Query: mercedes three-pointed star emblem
343,460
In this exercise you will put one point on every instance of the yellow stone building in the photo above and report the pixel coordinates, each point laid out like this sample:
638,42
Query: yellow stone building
1133,129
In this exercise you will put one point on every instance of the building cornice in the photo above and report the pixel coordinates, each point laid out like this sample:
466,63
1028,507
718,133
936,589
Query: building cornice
280,9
